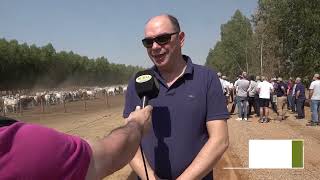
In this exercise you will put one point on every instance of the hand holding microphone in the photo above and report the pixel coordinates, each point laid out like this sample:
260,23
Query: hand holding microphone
147,87
142,117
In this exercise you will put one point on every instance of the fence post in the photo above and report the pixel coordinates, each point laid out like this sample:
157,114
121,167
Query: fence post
106,98
20,106
42,105
85,104
64,106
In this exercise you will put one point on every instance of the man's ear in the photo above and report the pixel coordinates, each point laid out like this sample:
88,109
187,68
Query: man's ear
181,38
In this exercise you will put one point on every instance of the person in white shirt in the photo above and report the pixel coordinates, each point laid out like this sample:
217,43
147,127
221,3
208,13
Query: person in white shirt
225,86
264,89
314,96
222,82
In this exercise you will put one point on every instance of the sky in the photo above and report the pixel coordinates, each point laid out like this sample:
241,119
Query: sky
114,28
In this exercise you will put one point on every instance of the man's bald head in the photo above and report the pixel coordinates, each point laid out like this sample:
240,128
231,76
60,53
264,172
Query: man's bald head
173,21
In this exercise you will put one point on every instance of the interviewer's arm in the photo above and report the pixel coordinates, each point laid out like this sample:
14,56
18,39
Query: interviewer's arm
211,152
119,147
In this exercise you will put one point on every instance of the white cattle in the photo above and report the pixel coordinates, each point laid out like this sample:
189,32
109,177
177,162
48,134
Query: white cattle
58,97
39,98
47,99
111,91
124,89
10,103
91,94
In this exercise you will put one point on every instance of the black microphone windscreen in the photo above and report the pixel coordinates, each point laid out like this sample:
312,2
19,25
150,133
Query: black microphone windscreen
146,84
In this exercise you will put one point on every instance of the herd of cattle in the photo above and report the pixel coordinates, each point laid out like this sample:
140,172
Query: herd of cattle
11,103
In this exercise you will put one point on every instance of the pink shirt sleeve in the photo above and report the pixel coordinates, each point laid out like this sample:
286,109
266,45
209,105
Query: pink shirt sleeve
30,151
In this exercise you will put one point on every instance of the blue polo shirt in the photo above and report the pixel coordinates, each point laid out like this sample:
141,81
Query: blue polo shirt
179,117
300,87
279,91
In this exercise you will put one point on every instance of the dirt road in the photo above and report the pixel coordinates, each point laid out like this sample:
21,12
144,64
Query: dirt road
99,119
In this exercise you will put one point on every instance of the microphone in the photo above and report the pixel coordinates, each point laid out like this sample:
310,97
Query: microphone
147,86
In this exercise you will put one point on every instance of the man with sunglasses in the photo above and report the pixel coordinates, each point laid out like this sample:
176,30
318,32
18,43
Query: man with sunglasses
189,133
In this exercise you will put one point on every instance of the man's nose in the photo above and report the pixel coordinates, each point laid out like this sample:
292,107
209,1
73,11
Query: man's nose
155,45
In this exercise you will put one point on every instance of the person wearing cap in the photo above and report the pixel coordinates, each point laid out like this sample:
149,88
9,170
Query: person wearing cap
31,151
281,91
314,96
300,98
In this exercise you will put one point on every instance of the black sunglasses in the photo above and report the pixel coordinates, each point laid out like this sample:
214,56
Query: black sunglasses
161,40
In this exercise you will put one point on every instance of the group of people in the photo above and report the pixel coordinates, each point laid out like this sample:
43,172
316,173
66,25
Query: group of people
188,135
259,93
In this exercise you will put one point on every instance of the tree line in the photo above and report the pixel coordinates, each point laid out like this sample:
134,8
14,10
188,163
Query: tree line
25,67
281,38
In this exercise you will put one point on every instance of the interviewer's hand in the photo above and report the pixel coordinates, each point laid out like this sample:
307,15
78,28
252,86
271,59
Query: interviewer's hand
142,117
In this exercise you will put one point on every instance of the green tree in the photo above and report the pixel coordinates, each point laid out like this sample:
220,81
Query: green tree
231,54
289,31
23,66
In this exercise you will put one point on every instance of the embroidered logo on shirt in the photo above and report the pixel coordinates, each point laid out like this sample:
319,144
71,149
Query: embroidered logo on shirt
191,96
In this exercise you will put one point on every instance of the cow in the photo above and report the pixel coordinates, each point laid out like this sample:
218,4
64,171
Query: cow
11,103
111,91
91,94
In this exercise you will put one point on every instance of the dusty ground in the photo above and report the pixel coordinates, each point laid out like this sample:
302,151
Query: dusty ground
98,119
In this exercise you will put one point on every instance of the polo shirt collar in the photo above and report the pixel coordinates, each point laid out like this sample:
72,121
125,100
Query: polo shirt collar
189,68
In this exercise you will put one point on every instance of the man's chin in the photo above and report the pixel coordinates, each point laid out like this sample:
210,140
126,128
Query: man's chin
159,62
